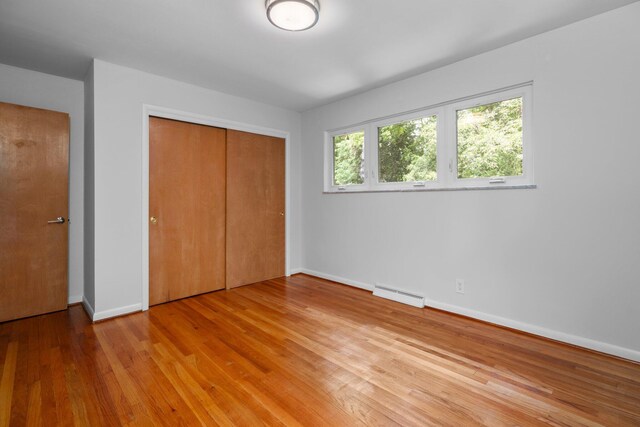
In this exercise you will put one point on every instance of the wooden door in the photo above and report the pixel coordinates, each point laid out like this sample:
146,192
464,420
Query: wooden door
255,208
187,184
34,181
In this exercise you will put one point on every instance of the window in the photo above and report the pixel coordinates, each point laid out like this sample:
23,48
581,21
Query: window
478,142
489,140
348,159
407,151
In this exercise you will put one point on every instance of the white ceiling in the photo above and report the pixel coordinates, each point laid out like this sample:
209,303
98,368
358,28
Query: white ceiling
229,46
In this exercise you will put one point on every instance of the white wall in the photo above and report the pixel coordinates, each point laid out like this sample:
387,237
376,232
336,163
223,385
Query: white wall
119,96
33,89
561,260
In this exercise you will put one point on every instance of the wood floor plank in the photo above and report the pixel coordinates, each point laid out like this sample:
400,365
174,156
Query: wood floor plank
7,383
302,351
34,416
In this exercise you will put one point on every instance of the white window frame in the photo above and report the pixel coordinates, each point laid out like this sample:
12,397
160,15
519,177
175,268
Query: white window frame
329,160
526,178
410,185
447,147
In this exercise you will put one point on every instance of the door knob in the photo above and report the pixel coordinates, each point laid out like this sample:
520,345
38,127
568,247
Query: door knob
59,220
153,220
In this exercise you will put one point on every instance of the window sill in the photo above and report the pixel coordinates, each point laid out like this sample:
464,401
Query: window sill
421,190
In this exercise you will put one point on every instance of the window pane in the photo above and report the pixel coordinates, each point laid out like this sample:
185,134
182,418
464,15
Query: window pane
348,159
490,140
407,151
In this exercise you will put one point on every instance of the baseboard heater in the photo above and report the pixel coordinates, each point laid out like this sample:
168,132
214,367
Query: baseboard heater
398,296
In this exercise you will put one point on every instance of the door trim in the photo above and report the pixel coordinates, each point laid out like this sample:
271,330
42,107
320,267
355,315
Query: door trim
169,113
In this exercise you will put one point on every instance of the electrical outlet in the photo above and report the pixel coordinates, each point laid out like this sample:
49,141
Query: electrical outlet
460,286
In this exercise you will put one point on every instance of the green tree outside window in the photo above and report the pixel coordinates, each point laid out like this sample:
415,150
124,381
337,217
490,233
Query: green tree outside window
490,140
348,159
407,151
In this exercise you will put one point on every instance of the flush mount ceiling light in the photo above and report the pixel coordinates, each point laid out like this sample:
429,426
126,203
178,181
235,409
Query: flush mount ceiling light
293,15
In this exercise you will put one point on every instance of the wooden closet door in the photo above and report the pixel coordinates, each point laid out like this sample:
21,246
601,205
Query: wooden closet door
187,184
255,208
34,181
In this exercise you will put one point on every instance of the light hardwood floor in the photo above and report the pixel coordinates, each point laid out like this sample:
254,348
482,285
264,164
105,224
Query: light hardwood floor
301,351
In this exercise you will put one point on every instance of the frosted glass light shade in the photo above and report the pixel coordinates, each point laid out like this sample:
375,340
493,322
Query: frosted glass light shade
293,15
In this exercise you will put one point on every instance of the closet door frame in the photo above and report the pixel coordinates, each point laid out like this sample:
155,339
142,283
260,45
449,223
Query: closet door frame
169,113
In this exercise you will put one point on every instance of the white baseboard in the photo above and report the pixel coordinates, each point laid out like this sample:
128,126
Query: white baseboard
74,299
602,347
294,271
88,308
338,279
106,314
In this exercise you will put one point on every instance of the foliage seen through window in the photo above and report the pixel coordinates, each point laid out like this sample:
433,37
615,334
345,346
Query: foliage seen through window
348,159
407,151
490,140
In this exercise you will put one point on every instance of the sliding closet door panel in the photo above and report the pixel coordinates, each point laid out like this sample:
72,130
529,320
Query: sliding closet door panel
255,208
187,185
